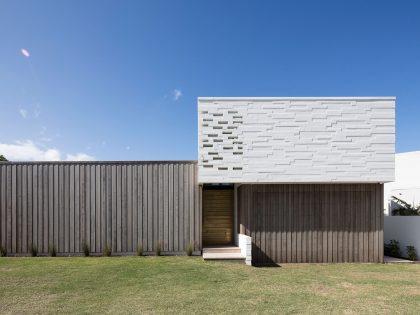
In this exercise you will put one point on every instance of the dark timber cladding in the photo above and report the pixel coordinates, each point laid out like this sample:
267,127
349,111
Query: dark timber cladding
121,204
313,223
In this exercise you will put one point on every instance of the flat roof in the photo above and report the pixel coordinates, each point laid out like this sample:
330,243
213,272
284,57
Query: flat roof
286,98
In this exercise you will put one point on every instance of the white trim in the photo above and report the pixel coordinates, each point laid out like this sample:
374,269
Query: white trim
241,182
292,98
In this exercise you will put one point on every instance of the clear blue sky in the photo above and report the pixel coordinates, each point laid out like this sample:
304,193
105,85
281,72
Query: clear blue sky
102,76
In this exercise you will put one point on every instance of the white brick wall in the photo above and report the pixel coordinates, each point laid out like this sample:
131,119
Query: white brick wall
296,140
245,244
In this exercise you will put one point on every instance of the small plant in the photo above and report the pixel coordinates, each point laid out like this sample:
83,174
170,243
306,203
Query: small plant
85,249
158,248
139,249
107,250
52,250
33,250
3,252
393,248
411,253
190,248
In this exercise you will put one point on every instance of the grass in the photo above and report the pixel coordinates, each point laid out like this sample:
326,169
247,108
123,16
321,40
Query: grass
189,285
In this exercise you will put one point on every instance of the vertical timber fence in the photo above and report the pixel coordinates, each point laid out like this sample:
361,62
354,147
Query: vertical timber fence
118,204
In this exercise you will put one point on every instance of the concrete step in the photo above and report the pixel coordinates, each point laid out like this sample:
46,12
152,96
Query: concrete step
232,253
221,249
223,256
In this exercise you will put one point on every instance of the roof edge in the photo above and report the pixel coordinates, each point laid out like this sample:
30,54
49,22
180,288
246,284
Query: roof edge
304,98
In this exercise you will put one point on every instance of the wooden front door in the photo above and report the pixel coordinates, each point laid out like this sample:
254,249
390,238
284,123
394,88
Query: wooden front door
217,216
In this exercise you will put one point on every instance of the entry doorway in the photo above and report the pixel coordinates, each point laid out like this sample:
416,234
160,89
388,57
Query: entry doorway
218,204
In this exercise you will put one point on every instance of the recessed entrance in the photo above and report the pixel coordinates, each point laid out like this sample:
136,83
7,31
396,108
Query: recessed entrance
218,215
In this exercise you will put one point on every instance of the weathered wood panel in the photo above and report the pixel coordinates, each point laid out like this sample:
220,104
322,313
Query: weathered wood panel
217,216
121,204
313,223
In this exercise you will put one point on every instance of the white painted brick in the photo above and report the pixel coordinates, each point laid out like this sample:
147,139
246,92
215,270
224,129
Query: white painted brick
298,140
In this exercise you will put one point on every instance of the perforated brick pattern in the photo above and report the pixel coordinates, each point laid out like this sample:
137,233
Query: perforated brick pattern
296,140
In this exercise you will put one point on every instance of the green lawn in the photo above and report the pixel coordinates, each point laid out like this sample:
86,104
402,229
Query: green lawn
189,285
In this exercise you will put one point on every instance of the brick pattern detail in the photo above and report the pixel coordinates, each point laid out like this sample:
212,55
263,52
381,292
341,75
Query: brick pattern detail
296,141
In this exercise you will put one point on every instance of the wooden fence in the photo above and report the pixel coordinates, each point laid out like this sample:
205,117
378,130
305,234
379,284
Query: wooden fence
121,204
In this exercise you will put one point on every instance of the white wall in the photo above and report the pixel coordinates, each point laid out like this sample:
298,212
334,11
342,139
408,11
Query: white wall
404,229
407,179
292,140
245,244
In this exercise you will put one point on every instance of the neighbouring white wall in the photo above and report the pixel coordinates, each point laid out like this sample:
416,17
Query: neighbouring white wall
404,229
407,180
245,244
296,140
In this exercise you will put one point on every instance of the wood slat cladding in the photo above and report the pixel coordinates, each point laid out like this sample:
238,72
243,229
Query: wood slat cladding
121,204
313,223
218,216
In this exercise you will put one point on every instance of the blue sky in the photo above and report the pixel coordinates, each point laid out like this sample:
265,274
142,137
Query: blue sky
119,80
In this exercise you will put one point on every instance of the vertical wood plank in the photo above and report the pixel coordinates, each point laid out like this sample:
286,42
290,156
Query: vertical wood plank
119,208
98,209
165,207
24,248
129,209
123,208
181,206
191,186
51,204
103,207
171,208
12,184
109,206
66,208
160,203
83,232
35,206
71,208
76,245
114,209
3,211
176,207
92,207
150,239
380,202
135,208
145,206
19,207
140,205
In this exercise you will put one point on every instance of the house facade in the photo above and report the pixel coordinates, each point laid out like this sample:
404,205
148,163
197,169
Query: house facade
284,179
305,175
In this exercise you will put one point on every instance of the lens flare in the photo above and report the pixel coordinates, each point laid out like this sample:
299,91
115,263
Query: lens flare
25,52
